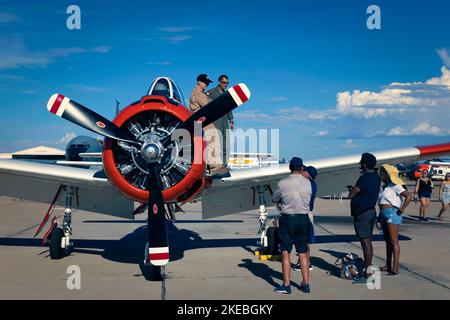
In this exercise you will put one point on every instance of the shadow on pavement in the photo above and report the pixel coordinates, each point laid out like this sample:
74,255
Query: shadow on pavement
130,248
176,222
263,271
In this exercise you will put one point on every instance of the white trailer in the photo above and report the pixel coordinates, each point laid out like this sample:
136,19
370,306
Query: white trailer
438,170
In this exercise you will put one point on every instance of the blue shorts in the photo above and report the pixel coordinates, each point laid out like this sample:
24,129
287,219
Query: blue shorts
424,195
389,215
294,230
311,238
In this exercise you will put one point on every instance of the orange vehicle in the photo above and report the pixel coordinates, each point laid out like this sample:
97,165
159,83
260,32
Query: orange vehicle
420,168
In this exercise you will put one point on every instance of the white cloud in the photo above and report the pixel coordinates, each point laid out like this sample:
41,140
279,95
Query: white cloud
67,137
15,54
397,98
6,17
101,49
161,63
9,77
349,144
443,80
176,39
374,134
322,133
422,129
252,114
420,108
142,39
302,114
278,99
445,57
176,29
86,88
26,91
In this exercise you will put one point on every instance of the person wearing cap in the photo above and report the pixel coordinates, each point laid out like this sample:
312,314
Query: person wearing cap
391,210
310,173
364,196
225,123
197,100
292,198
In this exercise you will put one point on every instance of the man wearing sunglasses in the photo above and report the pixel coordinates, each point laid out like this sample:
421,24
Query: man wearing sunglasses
226,123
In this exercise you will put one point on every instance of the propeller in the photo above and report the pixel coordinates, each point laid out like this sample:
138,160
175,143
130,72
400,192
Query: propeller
216,109
156,223
82,116
219,107
152,150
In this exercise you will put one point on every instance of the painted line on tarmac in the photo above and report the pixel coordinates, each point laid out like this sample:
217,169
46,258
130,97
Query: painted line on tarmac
401,265
22,231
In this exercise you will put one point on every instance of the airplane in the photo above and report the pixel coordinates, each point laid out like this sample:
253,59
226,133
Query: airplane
144,160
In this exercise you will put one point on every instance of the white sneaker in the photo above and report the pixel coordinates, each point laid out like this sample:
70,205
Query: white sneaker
297,267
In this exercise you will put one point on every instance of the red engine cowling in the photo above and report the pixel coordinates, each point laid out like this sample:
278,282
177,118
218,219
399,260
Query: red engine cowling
181,181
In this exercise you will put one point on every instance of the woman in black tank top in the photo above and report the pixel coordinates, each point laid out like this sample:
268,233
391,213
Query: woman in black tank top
424,187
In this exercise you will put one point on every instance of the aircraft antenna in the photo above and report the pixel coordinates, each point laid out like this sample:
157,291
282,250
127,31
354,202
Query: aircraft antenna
117,107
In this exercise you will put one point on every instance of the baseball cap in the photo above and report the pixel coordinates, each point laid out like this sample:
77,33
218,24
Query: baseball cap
296,163
204,78
369,160
311,171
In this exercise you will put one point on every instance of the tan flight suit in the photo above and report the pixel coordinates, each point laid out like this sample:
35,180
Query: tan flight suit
197,100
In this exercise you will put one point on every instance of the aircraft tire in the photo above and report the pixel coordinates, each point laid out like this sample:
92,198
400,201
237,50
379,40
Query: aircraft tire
152,273
272,241
56,252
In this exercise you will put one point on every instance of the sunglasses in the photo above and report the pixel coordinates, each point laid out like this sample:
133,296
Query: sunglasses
223,82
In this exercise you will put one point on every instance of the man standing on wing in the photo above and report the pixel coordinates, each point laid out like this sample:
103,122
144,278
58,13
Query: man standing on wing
292,197
226,123
198,100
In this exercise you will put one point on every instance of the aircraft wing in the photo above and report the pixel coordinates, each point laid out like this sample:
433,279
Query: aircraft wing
39,182
240,191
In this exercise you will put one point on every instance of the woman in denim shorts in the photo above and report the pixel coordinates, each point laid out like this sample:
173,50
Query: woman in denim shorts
391,209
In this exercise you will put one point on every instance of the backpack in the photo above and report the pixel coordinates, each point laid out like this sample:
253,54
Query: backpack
352,267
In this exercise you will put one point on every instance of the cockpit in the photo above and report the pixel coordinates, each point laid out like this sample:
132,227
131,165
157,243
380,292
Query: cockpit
163,86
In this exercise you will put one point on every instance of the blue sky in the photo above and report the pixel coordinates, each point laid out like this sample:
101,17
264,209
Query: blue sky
316,72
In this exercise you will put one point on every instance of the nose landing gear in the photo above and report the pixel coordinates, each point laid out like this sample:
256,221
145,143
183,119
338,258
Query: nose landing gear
60,244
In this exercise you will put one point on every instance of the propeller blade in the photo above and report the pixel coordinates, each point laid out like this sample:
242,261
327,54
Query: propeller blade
219,107
157,235
82,116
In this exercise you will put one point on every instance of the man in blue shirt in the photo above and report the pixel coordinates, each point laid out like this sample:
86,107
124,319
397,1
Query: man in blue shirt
364,196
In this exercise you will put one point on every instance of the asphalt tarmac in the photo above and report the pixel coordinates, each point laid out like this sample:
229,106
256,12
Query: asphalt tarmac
211,259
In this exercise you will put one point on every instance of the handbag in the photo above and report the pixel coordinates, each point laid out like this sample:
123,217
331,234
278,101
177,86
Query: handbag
351,266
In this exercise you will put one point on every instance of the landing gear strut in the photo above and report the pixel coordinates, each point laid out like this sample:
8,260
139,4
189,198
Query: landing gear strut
268,225
60,244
